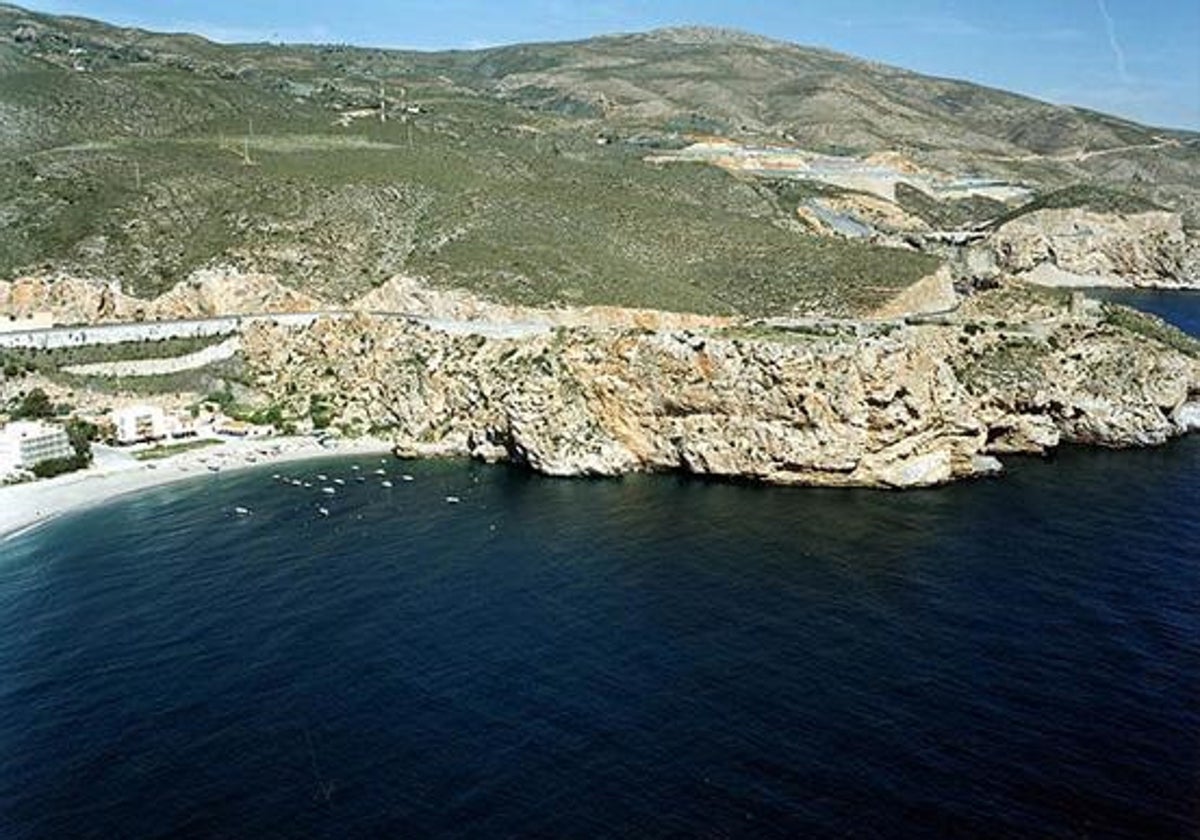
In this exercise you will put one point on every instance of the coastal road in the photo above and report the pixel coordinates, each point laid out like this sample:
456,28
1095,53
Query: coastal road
122,333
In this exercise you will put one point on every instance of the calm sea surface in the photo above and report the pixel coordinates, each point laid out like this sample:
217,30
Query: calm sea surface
1180,308
647,657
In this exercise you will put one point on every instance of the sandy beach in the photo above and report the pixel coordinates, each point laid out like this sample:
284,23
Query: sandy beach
117,473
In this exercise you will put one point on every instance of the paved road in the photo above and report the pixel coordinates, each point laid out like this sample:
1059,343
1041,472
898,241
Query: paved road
80,336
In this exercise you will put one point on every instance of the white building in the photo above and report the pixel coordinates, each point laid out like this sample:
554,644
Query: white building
22,323
24,445
140,423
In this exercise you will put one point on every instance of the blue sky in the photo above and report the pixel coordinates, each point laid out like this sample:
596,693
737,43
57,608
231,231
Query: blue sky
1136,58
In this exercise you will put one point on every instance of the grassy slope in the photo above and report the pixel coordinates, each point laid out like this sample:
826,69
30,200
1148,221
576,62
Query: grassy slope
133,169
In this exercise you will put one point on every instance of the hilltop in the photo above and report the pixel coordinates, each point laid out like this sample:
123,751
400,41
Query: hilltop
521,173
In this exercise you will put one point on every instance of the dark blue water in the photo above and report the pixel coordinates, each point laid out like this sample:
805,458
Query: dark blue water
1179,308
652,657
648,657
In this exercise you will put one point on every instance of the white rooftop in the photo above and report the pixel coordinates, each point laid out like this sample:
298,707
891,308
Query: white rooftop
26,428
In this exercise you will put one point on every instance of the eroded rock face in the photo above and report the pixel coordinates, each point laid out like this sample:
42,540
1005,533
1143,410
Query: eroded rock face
1074,247
215,292
205,294
67,300
415,296
912,407
932,294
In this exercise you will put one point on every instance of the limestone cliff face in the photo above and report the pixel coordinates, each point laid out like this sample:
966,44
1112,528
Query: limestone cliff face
67,300
903,407
219,292
1078,247
415,296
205,294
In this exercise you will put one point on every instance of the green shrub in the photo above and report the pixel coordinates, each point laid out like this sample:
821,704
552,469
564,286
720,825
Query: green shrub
60,466
35,405
81,433
320,412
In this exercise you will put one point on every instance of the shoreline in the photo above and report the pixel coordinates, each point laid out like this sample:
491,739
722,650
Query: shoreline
27,507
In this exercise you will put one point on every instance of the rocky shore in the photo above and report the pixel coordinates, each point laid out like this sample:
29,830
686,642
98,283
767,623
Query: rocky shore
876,404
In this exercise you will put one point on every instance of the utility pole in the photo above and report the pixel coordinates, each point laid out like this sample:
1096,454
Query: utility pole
404,115
382,103
246,161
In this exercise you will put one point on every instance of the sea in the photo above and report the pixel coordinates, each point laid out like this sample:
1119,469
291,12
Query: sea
476,651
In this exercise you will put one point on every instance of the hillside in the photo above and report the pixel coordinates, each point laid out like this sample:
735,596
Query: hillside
519,173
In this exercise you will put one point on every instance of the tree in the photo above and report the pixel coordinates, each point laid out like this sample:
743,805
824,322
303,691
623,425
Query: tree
81,433
35,406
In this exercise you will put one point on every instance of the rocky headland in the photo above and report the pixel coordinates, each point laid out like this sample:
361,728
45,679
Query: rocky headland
801,268
878,404
1080,247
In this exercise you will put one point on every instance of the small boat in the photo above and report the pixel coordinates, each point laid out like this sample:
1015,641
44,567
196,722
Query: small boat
296,482
321,477
386,484
406,478
452,500
323,511
276,477
354,467
339,482
328,491
241,511
308,484
380,472
360,479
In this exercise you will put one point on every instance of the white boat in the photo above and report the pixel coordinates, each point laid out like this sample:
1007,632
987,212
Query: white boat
452,500
321,477
406,478
308,484
385,484
323,511
339,482
380,472
328,491
241,511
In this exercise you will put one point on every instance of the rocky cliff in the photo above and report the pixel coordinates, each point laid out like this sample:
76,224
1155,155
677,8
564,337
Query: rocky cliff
883,405
1078,247
207,293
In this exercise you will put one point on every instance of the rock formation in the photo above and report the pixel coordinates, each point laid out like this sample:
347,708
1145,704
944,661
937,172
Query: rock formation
1077,247
205,294
899,407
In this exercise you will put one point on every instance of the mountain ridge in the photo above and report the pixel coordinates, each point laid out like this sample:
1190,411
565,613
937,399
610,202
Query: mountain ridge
518,172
